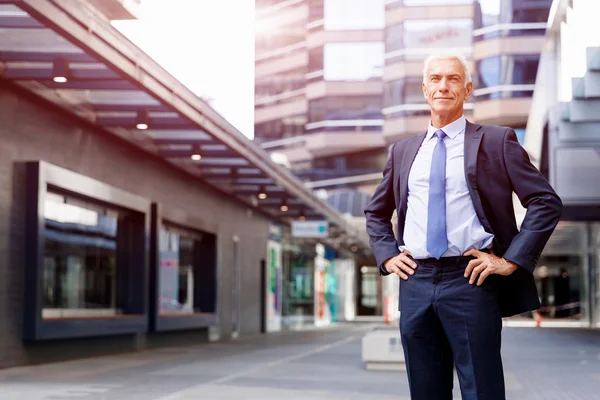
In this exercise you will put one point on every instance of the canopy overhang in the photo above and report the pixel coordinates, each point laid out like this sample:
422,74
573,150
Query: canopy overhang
68,53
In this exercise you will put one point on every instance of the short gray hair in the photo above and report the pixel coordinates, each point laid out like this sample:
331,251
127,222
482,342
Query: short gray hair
445,56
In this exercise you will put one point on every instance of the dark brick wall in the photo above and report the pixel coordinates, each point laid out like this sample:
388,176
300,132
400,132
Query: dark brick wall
30,130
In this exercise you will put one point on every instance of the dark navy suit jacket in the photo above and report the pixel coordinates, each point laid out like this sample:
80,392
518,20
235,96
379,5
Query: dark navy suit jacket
495,166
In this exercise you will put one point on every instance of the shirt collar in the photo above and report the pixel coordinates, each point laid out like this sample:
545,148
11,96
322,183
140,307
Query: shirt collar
452,129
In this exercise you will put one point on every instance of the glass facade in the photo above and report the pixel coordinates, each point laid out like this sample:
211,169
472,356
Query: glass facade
416,3
281,36
354,14
353,61
489,13
404,91
516,69
81,263
279,129
360,163
417,38
282,82
345,108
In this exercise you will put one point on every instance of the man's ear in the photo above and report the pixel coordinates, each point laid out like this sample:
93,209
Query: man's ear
469,90
424,87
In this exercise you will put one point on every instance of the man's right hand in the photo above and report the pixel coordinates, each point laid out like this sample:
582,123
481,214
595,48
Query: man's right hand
401,265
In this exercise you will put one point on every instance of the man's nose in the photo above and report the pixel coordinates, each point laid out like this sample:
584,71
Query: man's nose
443,86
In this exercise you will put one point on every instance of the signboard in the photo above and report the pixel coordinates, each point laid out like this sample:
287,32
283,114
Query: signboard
310,229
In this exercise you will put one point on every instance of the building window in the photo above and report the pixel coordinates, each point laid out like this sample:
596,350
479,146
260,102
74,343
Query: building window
353,61
354,14
506,76
394,38
279,129
81,263
86,270
416,3
281,36
315,59
420,37
495,18
179,258
344,108
404,91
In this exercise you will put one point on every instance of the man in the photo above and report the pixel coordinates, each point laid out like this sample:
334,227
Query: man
462,261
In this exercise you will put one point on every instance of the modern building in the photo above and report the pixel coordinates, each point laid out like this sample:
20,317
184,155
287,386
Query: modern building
133,215
563,139
339,81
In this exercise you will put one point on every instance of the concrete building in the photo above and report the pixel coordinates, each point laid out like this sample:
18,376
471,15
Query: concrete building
132,215
563,139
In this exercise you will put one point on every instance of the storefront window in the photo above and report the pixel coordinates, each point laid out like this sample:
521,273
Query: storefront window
80,258
298,285
178,260
353,61
354,14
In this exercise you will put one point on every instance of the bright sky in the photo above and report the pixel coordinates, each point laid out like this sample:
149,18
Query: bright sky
208,45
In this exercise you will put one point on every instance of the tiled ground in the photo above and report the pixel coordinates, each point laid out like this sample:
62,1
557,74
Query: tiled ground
540,364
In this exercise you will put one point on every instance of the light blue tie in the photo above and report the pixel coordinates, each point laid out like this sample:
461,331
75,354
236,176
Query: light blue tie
437,239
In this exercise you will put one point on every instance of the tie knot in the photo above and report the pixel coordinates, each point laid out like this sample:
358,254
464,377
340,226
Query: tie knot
440,134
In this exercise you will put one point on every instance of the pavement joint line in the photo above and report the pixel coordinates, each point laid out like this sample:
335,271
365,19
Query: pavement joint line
177,395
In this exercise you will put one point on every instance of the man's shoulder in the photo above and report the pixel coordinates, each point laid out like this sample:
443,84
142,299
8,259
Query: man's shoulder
493,128
406,142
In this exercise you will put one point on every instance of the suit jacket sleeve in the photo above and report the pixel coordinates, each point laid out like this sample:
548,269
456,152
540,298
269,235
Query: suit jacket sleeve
543,205
379,213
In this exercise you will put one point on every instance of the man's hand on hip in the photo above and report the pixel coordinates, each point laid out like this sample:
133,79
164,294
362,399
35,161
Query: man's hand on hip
401,265
485,265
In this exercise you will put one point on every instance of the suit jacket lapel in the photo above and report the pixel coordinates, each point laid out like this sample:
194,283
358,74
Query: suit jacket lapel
410,152
473,137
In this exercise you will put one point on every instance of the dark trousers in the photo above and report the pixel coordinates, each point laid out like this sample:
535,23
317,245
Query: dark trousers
446,322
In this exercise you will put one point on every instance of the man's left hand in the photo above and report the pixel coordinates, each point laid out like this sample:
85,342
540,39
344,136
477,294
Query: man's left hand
485,265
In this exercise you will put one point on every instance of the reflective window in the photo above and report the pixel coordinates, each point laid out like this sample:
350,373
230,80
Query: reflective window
404,91
179,257
489,13
354,14
420,36
315,8
280,83
353,61
345,108
410,3
394,38
518,69
279,129
81,263
315,59
280,36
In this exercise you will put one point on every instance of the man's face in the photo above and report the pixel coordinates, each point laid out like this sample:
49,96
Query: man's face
444,87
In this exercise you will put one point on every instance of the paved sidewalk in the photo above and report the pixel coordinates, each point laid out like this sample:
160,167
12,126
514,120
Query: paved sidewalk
540,364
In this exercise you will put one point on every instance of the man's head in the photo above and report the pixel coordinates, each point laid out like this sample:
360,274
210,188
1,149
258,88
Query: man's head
447,84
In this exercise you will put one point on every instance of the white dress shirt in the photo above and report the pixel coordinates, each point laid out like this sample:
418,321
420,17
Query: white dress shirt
462,225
